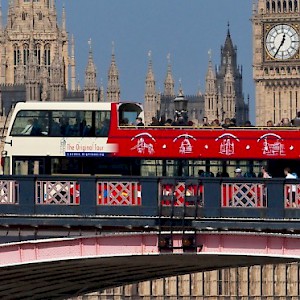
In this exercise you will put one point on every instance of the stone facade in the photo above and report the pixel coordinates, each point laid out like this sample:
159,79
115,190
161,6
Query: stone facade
268,282
277,77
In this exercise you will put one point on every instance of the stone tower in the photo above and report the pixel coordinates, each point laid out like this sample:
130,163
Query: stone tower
169,81
276,71
32,30
224,95
90,88
113,86
212,110
151,106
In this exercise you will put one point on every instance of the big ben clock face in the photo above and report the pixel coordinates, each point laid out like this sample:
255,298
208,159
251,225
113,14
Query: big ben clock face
282,42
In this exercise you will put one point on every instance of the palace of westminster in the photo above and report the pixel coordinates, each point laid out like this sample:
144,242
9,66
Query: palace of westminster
37,63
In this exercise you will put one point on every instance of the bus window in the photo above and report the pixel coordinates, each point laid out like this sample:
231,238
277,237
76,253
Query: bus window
29,166
34,123
102,123
129,112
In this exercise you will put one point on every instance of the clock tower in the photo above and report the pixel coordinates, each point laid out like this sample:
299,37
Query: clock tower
276,59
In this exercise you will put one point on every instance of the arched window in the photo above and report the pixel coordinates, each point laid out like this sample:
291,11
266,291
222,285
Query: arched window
37,53
273,6
279,6
284,6
24,15
296,5
290,5
47,55
16,55
268,6
25,53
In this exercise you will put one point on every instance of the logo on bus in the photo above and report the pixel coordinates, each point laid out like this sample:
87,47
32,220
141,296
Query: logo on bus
186,146
272,144
227,146
144,143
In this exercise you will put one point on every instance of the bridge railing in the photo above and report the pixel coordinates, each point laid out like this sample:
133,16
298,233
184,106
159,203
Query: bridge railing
138,196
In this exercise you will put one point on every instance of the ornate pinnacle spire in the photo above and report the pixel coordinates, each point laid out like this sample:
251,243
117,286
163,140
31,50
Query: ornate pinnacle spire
63,18
150,74
113,87
91,68
169,81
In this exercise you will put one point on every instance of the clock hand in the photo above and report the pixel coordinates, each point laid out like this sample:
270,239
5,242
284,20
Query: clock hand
282,42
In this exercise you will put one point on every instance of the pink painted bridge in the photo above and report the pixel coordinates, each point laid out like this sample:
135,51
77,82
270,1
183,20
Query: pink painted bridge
61,268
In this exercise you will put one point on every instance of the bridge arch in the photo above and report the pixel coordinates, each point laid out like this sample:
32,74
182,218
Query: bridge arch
60,268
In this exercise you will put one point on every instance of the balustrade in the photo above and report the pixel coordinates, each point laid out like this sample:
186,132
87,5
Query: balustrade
213,197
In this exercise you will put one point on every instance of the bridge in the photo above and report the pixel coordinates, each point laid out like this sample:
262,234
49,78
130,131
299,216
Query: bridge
67,236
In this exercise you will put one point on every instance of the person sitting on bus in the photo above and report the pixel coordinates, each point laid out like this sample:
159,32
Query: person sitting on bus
238,173
124,122
64,126
28,128
285,122
296,120
154,122
226,123
139,122
103,131
265,173
36,128
270,123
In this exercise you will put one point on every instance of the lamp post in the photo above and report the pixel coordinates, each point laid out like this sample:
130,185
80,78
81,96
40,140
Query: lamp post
180,104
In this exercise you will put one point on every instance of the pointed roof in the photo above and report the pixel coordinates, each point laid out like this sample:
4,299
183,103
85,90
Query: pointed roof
228,45
150,74
169,78
210,74
91,68
113,69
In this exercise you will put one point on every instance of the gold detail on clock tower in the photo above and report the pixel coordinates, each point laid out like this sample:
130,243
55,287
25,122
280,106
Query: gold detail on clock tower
276,58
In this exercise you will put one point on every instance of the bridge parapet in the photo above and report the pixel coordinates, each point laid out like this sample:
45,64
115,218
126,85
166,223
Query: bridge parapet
151,201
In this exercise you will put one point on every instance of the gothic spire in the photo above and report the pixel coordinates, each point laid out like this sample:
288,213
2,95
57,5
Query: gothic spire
113,87
150,74
63,19
91,68
90,88
210,70
169,81
228,46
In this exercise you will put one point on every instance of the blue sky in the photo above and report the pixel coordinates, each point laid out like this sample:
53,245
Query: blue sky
185,28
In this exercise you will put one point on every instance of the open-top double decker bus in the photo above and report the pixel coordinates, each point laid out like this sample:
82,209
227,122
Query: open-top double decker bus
90,138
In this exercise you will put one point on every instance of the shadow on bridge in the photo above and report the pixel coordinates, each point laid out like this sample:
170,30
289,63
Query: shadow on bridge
63,268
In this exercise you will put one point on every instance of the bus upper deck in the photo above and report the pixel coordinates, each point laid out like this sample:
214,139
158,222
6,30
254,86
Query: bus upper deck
89,138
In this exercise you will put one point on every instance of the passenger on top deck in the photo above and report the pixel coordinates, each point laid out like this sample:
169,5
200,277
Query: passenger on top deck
139,122
296,120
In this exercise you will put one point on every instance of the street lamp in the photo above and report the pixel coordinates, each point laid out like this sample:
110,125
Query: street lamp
180,105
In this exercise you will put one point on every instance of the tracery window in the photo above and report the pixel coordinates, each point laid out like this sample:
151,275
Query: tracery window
47,55
16,55
25,53
37,53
